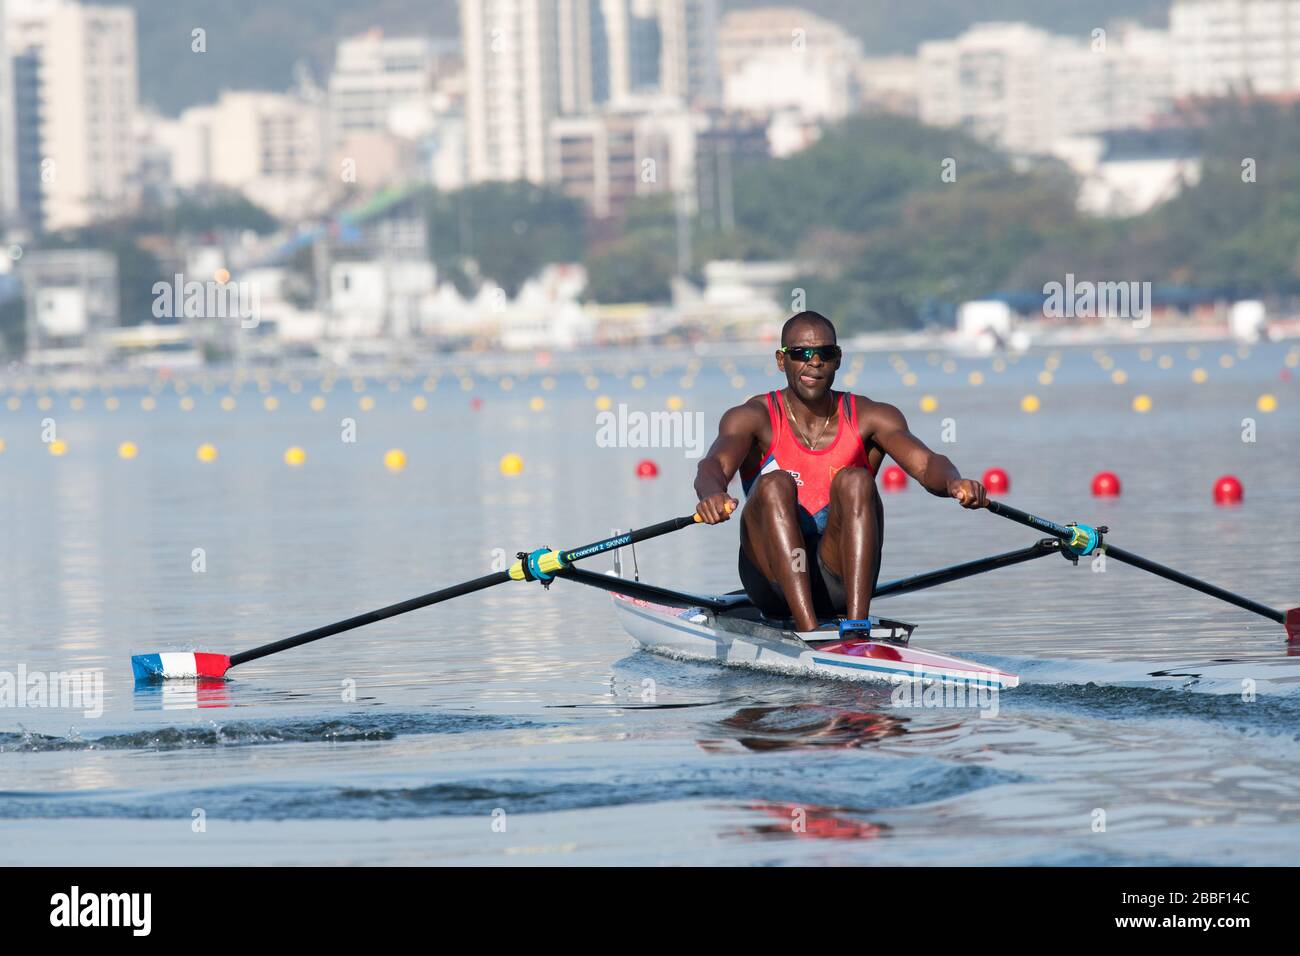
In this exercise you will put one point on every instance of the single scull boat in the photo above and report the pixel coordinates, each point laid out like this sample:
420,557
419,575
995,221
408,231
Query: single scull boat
729,629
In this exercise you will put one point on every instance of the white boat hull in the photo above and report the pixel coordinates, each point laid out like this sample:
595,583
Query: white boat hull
699,634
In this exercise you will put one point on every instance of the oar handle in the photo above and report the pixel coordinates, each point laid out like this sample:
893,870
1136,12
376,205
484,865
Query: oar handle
631,537
1081,539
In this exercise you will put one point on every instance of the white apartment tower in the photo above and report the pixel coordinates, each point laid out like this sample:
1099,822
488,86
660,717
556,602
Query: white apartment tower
373,75
1235,46
688,50
87,101
511,50
1023,89
8,134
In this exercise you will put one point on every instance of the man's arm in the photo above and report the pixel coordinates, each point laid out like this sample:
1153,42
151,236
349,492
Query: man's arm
936,473
737,433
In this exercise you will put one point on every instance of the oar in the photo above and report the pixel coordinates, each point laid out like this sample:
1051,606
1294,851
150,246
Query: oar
1081,540
540,565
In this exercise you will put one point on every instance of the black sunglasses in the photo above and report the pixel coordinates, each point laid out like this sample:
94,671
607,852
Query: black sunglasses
804,353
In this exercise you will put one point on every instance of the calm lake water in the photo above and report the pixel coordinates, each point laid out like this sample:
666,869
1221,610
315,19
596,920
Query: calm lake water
512,727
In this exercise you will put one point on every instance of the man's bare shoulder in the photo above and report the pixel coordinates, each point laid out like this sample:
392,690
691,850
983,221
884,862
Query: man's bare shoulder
874,415
749,416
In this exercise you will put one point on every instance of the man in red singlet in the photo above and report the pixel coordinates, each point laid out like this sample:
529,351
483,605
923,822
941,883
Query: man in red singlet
812,527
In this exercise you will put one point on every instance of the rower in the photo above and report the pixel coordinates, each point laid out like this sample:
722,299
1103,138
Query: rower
812,527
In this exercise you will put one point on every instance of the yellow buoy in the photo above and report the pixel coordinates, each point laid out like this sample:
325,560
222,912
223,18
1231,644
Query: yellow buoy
999,365
537,403
1119,376
591,382
466,384
1292,359
507,383
949,366
1199,375
317,403
638,381
45,403
929,403
511,464
1165,362
295,456
975,378
1145,353
111,403
674,403
366,404
1142,403
2,445
187,404
77,403
58,448
604,403
419,403
1266,403
909,378
14,403
206,452
270,403
227,403
1226,360
1045,377
127,450
395,459
1030,403
548,383
148,403
1193,353
737,381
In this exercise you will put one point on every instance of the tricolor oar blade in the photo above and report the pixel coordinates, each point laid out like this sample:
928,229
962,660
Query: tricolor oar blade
179,665
540,565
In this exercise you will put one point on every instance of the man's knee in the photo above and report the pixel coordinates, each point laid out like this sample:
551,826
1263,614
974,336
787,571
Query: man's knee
775,486
854,485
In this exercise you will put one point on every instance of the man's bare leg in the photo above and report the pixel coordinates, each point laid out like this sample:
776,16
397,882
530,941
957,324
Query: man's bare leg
851,543
770,535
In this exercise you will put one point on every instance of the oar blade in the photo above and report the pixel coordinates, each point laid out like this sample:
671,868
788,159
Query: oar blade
1293,626
179,665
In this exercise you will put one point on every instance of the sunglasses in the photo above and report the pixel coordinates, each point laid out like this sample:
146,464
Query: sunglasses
804,353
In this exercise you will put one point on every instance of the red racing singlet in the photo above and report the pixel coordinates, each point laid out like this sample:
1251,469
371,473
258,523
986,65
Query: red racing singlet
812,470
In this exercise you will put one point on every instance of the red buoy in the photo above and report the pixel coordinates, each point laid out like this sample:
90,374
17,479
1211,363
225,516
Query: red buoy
893,478
996,481
645,468
476,403
1227,491
1105,484
1284,375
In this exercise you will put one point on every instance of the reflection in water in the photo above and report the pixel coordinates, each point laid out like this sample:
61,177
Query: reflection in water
807,725
809,822
182,694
